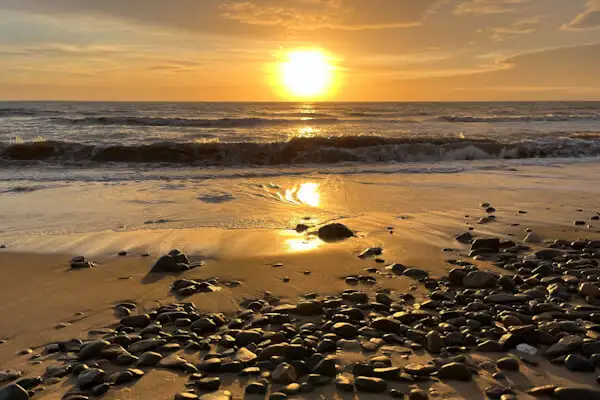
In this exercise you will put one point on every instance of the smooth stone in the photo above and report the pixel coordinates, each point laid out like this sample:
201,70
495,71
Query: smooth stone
564,346
570,393
508,364
434,342
345,383
136,321
540,391
577,363
90,378
148,359
284,373
209,384
13,392
334,232
186,396
417,394
480,280
255,388
455,371
370,385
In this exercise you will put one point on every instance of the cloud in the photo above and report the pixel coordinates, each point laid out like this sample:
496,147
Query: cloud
589,19
242,17
487,7
515,29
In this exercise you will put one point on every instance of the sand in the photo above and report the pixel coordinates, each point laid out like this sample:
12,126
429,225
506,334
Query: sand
242,239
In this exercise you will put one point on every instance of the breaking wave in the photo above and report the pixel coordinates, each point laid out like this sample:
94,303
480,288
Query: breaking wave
299,151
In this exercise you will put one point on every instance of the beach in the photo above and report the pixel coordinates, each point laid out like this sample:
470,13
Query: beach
243,238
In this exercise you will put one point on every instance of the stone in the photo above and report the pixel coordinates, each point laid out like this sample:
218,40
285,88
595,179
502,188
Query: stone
491,245
100,390
370,385
210,384
548,254
256,388
490,346
564,346
186,396
434,342
345,330
417,394
532,238
480,280
13,392
577,363
589,290
30,383
416,273
334,232
8,375
345,383
570,393
326,367
245,356
541,391
149,359
136,321
309,308
465,238
284,374
508,364
90,378
92,349
371,252
455,371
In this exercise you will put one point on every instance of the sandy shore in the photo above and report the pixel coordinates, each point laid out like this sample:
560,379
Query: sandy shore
413,218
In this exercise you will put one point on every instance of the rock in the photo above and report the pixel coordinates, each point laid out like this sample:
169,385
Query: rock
480,280
371,252
570,393
284,374
136,321
345,330
30,383
495,392
209,384
90,378
326,367
278,396
370,385
396,268
465,238
532,238
455,371
256,388
577,363
217,395
434,343
7,375
92,349
564,346
301,228
334,232
490,346
171,263
148,359
416,273
548,254
245,356
541,391
344,383
100,390
508,364
589,290
490,245
387,325
526,349
417,394
13,392
186,396
309,308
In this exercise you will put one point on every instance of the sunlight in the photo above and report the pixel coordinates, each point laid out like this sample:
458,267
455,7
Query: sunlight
306,74
309,194
306,194
300,244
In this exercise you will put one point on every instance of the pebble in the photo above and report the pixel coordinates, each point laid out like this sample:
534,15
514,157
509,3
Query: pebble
334,232
13,392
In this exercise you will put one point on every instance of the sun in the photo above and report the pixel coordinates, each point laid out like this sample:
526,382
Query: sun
307,74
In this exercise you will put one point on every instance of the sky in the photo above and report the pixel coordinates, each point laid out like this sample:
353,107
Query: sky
228,50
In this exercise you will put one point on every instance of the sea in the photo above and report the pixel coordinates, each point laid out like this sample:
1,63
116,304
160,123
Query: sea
90,134
85,167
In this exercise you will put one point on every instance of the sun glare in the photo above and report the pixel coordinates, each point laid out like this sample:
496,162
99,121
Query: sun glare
306,74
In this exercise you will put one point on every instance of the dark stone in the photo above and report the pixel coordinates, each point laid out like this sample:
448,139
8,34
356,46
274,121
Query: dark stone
208,384
334,232
564,346
480,280
465,238
136,321
508,364
577,363
13,392
455,371
90,378
570,393
491,245
370,385
344,383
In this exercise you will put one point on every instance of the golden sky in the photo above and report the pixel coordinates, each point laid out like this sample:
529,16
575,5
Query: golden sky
229,50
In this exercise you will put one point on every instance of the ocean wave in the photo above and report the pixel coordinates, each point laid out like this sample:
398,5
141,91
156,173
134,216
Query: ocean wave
558,117
298,151
194,122
26,112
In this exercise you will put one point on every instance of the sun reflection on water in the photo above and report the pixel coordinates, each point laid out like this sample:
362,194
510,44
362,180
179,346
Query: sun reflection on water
307,194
